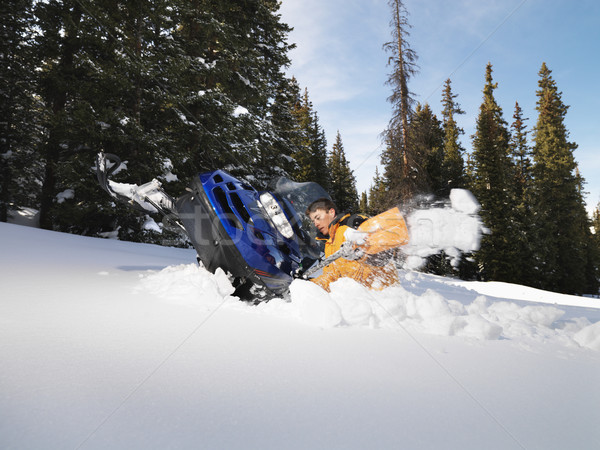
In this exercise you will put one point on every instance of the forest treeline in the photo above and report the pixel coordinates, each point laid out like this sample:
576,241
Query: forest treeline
177,87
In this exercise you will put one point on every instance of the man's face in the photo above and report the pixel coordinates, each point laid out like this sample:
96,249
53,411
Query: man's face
322,218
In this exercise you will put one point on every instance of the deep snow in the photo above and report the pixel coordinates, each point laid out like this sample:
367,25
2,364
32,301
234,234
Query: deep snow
109,344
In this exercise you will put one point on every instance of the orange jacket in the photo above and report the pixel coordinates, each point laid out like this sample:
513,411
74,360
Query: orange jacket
371,276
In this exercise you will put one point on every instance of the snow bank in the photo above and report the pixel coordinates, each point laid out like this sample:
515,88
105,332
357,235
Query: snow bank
183,283
589,336
349,304
180,363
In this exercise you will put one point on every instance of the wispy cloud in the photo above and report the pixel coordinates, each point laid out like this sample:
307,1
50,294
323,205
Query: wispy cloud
341,61
331,59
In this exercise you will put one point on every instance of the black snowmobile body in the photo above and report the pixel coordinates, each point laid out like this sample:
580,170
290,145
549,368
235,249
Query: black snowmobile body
260,238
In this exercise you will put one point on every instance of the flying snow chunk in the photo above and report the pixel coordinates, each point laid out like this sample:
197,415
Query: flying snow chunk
464,201
453,229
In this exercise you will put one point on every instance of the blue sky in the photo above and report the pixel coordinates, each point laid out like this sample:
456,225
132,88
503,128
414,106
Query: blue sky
340,59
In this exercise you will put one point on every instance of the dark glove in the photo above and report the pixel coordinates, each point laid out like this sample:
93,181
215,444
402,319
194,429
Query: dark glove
298,273
305,264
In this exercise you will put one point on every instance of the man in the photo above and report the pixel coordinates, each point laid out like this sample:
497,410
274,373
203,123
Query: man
371,270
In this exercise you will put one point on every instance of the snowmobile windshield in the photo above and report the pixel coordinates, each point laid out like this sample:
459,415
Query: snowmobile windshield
300,196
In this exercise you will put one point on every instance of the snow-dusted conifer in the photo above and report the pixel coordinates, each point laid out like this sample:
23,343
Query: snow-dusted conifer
19,166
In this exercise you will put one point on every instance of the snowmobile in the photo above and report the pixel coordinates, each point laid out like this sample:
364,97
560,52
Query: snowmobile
261,238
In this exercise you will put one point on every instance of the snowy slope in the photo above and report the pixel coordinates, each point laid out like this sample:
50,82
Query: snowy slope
108,344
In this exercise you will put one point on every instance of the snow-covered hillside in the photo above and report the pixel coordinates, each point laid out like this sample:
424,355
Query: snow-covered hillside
108,344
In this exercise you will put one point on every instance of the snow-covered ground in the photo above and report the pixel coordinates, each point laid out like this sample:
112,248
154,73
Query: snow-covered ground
109,344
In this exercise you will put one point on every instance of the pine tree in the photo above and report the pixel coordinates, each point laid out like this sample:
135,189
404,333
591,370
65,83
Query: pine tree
288,137
319,170
343,182
452,167
101,90
19,166
594,269
426,140
491,185
469,176
377,195
235,86
363,204
522,179
311,154
178,87
401,173
563,230
596,225
426,137
302,113
58,48
521,155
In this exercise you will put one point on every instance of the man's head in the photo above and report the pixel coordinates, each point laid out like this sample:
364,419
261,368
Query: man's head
322,213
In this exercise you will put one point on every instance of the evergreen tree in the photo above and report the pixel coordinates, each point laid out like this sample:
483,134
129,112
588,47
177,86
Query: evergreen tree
521,155
311,154
594,269
19,166
596,226
377,195
452,167
563,229
401,172
318,147
302,113
59,44
343,182
522,180
101,90
492,186
392,179
426,140
237,52
469,175
169,86
426,137
363,204
288,136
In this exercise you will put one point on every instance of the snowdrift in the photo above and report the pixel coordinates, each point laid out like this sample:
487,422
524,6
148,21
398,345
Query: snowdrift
422,304
109,344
